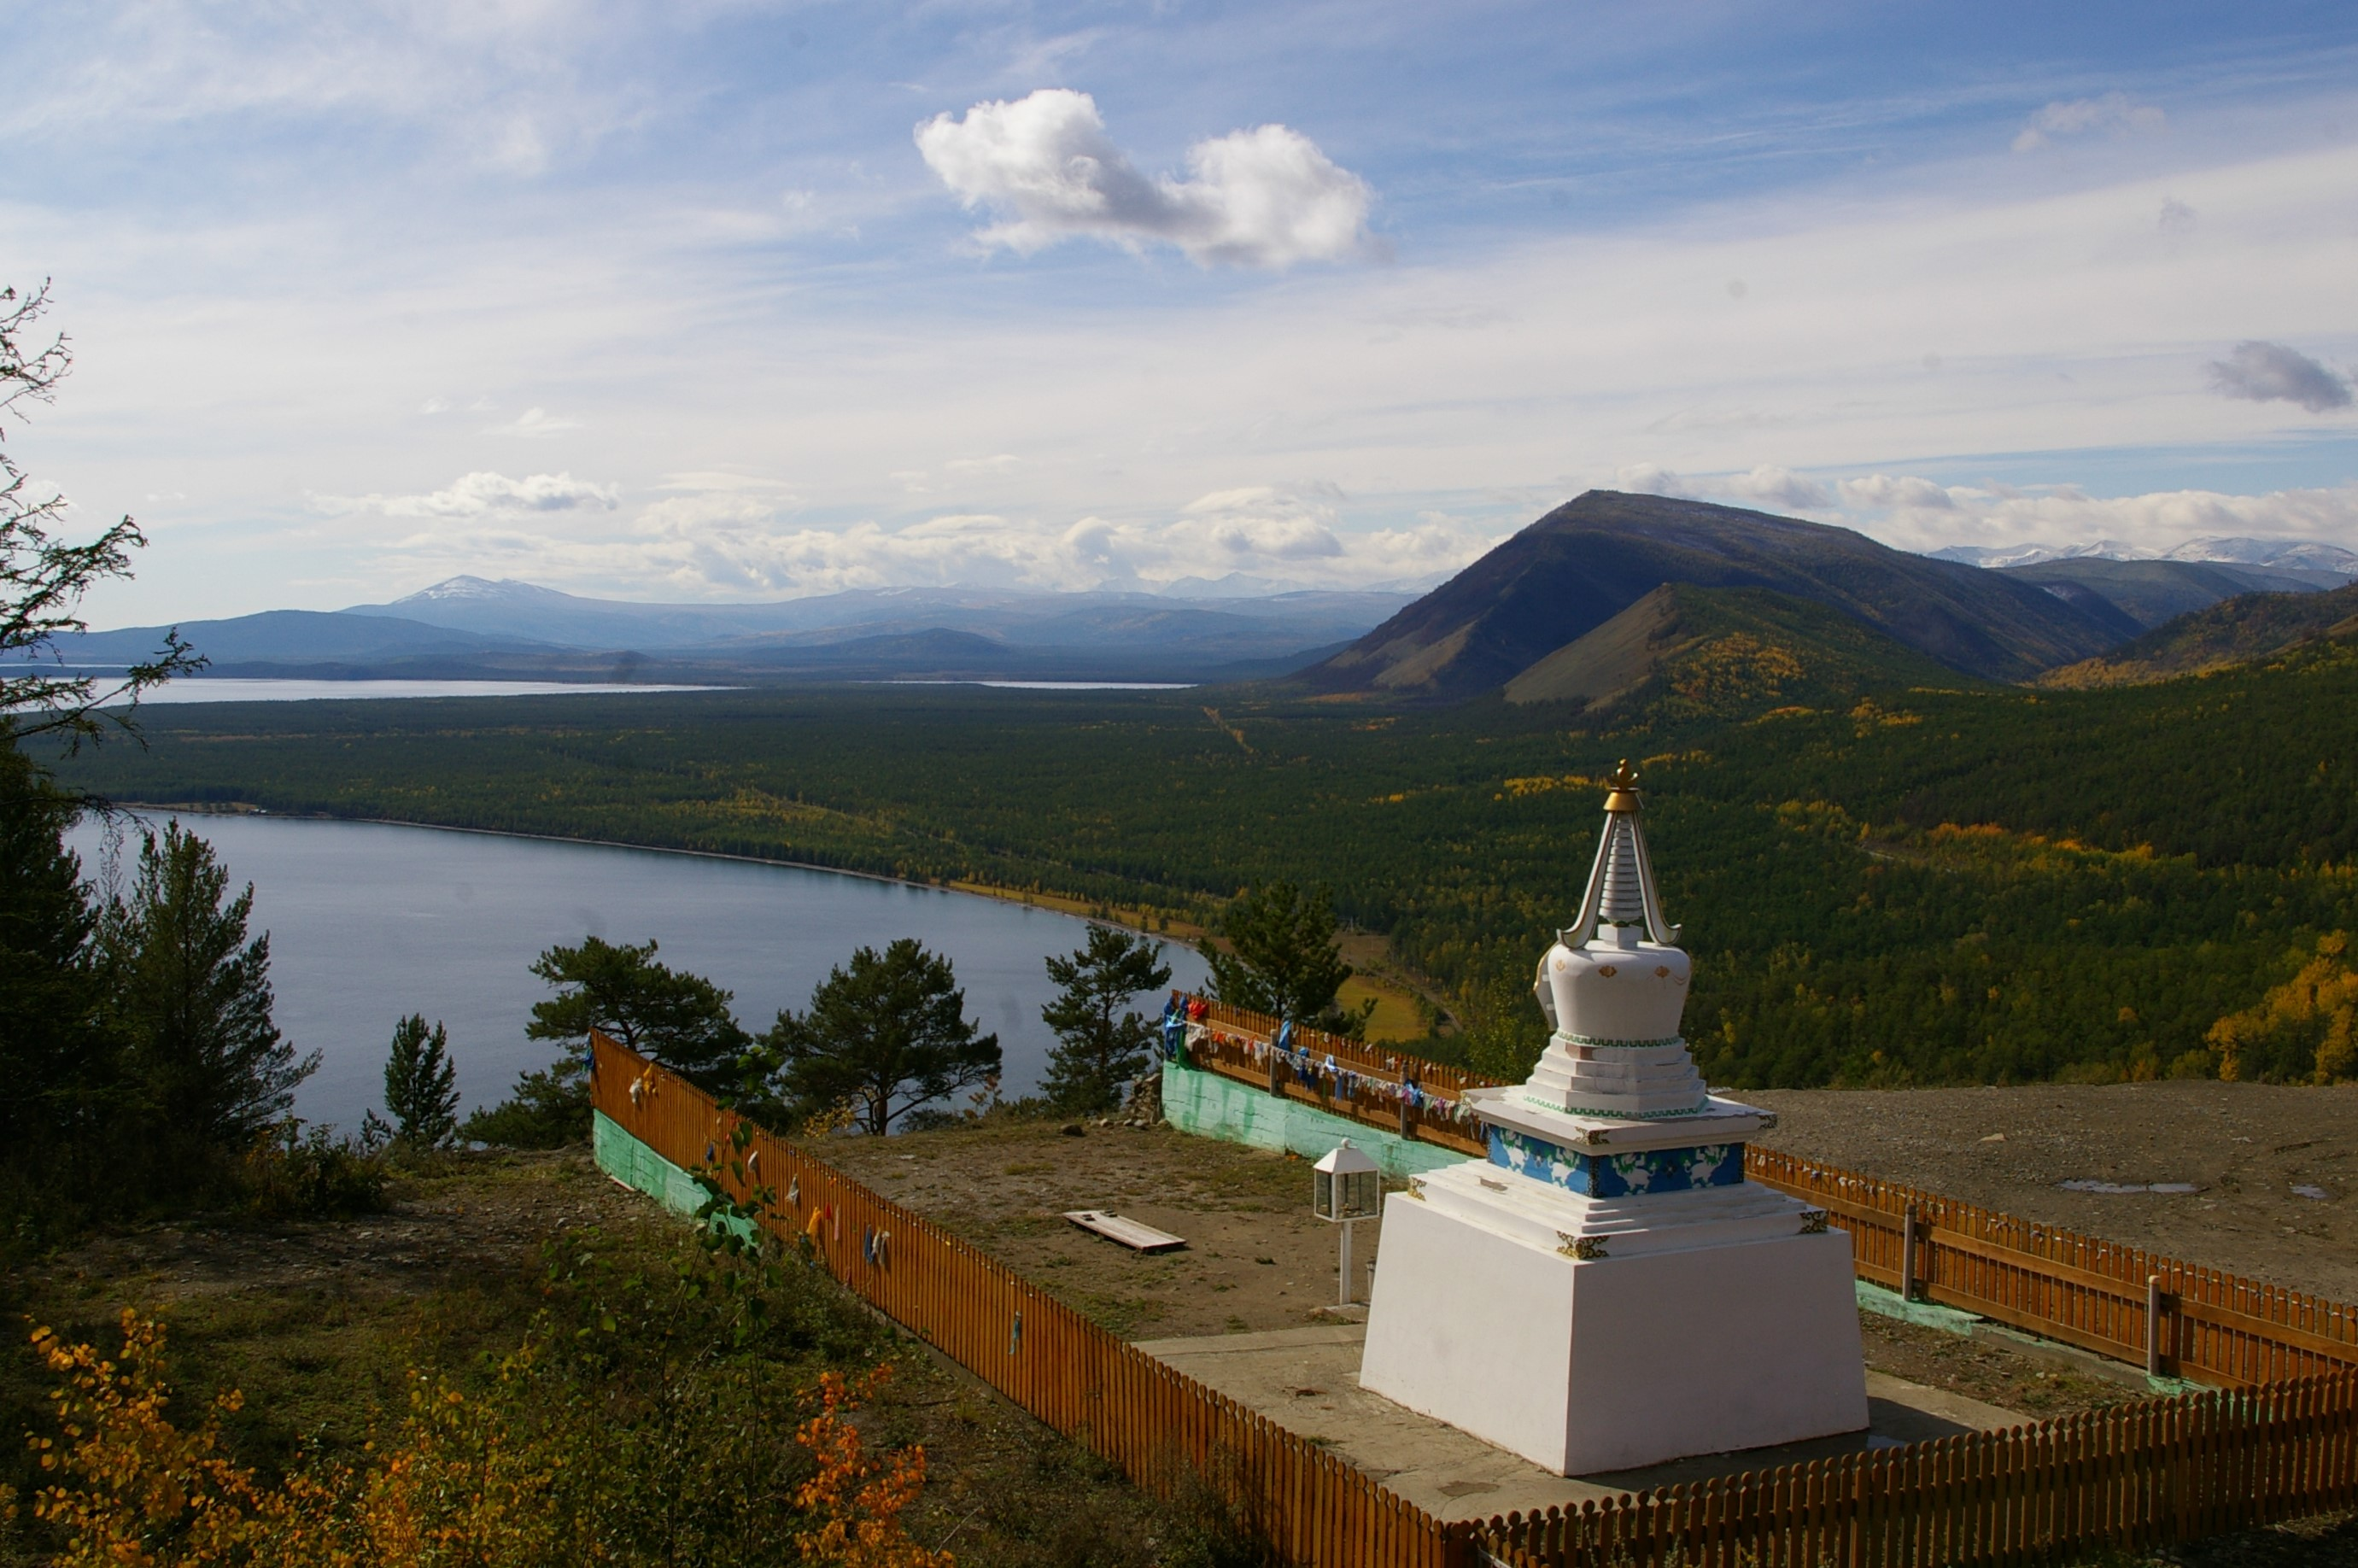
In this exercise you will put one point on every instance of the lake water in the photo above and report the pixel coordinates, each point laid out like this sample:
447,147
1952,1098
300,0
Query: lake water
235,688
370,922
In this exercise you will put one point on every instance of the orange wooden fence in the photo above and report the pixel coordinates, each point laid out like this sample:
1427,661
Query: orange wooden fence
1152,1423
2132,1476
2173,1317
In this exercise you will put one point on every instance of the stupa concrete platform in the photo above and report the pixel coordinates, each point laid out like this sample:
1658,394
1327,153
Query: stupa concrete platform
1307,1380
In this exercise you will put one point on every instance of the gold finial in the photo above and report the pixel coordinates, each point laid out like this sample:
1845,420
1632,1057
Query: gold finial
1624,786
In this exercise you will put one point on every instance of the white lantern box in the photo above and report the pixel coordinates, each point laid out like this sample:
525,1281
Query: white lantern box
1347,1185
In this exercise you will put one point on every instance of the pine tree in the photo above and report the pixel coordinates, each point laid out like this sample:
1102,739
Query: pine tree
56,1057
1102,1041
191,995
679,1019
885,1035
421,1086
1282,959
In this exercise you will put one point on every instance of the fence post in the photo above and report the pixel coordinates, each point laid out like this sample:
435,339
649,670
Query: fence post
2153,1325
1908,1255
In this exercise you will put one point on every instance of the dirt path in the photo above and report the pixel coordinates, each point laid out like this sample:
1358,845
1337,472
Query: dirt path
1255,1259
2273,1169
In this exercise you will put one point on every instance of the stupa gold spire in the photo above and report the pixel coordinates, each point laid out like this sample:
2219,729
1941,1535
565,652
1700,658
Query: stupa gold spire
1624,788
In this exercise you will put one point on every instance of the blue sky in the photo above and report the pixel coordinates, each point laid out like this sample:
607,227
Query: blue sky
739,300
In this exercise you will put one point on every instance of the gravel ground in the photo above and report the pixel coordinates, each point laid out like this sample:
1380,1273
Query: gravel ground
2273,1169
1255,1259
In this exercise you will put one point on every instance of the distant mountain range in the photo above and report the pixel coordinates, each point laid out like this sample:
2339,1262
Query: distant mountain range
2297,554
468,627
1584,563
2234,631
1605,595
2136,595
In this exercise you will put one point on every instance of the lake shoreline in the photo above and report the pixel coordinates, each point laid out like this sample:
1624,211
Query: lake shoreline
1055,903
370,923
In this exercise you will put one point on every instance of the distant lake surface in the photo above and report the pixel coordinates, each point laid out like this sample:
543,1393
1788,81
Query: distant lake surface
369,922
1057,685
232,689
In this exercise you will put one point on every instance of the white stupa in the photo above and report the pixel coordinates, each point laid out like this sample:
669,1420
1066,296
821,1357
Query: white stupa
1606,1290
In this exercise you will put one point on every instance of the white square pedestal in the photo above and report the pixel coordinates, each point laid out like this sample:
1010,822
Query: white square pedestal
1700,1321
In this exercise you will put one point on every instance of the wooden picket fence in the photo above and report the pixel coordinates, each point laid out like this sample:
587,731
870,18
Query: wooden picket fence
1155,1424
2132,1476
2175,1318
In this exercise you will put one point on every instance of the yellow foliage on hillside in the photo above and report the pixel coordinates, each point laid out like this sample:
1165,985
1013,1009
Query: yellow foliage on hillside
2320,1004
1729,673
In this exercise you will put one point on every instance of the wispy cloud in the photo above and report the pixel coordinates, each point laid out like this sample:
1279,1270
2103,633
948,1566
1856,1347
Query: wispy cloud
2259,371
735,540
533,422
1262,197
483,496
1915,512
2115,113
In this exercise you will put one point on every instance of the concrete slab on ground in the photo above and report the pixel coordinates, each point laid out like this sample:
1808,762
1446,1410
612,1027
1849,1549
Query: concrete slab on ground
1307,1380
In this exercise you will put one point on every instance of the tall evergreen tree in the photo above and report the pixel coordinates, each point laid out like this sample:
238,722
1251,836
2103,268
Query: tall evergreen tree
55,1058
1102,1041
1281,957
886,1035
681,1020
191,994
421,1086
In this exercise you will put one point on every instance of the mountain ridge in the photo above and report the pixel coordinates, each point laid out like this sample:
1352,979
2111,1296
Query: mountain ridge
2245,630
1576,568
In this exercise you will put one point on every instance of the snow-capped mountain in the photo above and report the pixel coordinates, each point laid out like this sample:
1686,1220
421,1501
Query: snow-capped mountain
2299,555
2291,554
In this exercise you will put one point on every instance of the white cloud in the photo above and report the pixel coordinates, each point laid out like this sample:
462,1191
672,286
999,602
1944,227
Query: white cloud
1782,489
1262,197
2115,112
1880,491
1002,463
1914,512
2064,322
2156,521
1652,478
735,541
484,495
2260,372
533,422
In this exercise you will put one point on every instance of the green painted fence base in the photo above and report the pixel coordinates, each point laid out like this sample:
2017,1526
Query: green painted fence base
1923,1314
635,1166
1212,1106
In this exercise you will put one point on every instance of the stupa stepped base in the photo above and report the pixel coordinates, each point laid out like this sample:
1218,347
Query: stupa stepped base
1597,1335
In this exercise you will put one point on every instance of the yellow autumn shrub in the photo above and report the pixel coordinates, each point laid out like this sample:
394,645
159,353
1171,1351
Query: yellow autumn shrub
490,1480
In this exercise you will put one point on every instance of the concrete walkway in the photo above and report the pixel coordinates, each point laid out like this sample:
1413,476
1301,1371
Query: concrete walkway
1307,1380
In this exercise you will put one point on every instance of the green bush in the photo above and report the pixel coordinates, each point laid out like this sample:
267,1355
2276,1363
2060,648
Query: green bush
292,1174
549,1110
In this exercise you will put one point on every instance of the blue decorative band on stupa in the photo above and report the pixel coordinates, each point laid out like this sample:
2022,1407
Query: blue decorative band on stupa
1616,1176
1599,1043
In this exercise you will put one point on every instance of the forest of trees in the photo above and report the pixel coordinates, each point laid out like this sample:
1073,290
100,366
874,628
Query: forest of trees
1921,887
